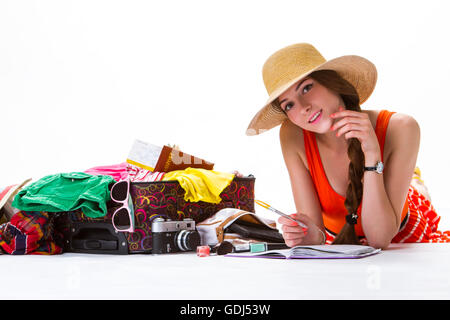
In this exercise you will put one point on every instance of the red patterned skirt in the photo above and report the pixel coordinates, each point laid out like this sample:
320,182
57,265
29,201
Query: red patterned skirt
419,225
421,222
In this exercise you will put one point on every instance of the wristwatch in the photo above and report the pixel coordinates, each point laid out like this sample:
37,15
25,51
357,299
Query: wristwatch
378,168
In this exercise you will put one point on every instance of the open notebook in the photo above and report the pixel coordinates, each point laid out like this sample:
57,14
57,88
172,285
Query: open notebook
335,251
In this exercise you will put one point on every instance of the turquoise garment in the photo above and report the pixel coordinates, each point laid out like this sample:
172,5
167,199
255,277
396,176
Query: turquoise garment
66,192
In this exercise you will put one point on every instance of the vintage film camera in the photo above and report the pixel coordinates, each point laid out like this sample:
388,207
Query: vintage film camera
174,236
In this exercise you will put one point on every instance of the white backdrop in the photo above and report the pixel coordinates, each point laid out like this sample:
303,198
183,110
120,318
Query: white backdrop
80,80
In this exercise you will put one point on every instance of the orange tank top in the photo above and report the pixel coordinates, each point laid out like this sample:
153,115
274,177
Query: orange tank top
332,203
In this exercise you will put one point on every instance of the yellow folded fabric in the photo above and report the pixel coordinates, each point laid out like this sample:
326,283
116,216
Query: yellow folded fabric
201,184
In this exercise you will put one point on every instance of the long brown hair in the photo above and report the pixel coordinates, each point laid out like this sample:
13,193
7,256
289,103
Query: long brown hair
336,83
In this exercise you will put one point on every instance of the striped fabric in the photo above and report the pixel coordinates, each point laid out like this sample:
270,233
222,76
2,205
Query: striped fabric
138,174
420,224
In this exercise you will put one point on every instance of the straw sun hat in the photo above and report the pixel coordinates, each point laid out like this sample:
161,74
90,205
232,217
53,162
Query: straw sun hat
290,64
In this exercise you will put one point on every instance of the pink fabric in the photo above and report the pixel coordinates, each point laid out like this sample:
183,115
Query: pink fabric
117,171
136,173
125,170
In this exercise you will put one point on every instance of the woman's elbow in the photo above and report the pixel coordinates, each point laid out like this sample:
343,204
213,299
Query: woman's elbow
379,243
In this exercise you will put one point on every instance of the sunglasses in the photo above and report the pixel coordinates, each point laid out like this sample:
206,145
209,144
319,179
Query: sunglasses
123,217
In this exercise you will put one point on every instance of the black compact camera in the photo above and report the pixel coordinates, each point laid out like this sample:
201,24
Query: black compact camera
174,236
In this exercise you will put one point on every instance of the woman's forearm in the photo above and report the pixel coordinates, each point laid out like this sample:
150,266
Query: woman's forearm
379,220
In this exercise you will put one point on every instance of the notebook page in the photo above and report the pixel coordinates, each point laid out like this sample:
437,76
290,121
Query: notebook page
337,249
314,251
284,253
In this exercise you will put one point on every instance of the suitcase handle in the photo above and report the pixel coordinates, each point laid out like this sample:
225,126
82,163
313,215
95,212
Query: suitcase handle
92,244
96,237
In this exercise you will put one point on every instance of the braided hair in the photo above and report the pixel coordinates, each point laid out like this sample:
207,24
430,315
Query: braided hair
333,81
336,83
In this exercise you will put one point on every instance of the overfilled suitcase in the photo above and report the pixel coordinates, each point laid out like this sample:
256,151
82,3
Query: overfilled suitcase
151,200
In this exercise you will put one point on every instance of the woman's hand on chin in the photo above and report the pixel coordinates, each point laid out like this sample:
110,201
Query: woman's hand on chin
354,124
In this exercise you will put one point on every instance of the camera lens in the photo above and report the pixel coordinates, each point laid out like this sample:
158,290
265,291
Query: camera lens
187,240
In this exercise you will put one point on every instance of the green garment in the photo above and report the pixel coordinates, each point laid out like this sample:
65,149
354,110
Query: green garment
66,192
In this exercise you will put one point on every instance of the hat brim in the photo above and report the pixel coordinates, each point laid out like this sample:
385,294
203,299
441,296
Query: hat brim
360,72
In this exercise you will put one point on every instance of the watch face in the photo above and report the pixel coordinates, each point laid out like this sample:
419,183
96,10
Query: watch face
380,167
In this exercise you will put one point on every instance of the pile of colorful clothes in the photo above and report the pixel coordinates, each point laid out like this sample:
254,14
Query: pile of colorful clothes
30,211
31,208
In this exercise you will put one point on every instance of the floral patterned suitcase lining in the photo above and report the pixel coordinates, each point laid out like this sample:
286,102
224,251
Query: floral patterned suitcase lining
166,199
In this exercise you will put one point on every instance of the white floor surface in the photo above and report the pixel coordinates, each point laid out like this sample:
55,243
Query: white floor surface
404,271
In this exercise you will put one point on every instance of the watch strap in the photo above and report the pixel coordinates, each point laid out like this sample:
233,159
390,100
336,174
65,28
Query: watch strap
378,168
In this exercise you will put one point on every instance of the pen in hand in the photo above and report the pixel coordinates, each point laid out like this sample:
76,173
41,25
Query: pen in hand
269,207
